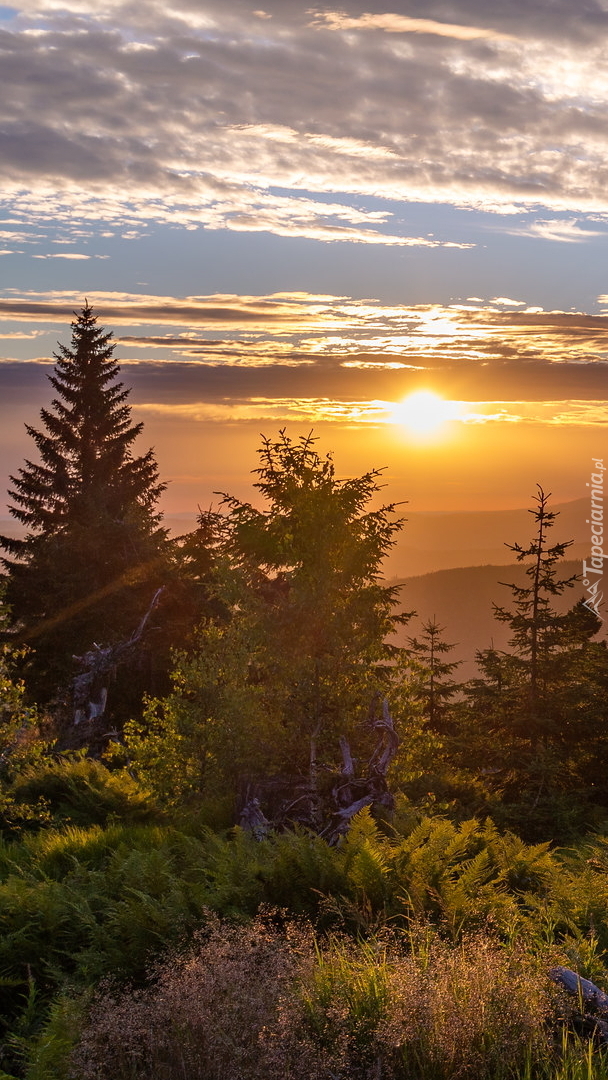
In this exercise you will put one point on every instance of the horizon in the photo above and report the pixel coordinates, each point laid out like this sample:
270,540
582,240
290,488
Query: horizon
419,552
324,213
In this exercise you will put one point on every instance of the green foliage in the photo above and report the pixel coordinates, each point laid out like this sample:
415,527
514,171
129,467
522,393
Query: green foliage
535,626
292,649
83,791
434,686
429,1010
94,551
268,1000
19,735
80,904
49,1053
533,726
212,728
346,999
21,746
318,613
296,650
300,872
77,904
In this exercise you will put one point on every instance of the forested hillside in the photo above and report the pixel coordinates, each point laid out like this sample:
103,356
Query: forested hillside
462,599
256,819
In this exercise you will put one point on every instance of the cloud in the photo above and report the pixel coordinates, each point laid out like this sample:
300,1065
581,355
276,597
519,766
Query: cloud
505,301
20,237
401,24
67,255
297,123
570,412
296,345
315,410
563,232
297,327
249,209
275,410
20,335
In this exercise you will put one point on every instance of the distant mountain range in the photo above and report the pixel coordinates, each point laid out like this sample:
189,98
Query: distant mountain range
461,600
437,541
451,564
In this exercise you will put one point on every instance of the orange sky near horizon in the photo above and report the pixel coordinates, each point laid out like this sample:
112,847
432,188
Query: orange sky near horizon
463,468
523,390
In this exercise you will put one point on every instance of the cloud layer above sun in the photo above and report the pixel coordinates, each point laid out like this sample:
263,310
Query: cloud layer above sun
298,120
323,358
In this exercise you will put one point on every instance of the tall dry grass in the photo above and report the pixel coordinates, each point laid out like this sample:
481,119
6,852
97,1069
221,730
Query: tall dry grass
222,1010
268,1002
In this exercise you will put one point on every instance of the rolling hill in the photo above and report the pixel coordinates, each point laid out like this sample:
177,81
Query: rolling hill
461,599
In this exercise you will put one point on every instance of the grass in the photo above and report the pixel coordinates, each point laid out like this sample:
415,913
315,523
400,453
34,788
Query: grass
270,1000
427,943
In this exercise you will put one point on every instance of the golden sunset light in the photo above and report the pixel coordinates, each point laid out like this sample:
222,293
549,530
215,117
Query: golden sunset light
303,586
424,413
426,295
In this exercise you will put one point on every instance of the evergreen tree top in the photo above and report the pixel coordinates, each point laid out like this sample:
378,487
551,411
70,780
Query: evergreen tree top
86,468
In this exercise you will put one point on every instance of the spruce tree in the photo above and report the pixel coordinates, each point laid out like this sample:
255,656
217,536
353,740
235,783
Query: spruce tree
435,685
537,629
536,718
307,593
294,658
94,547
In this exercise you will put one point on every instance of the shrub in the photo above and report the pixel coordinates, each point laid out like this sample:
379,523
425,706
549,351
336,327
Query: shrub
83,791
267,1002
211,1014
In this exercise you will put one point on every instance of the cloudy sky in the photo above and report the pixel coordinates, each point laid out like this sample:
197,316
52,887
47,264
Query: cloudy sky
298,216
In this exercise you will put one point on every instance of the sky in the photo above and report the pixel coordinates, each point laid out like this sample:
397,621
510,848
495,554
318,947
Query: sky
298,217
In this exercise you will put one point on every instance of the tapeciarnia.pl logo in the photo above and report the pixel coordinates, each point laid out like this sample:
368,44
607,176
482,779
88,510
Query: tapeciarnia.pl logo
594,569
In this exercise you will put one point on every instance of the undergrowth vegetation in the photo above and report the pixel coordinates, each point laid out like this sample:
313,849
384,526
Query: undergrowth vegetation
143,936
416,951
261,1002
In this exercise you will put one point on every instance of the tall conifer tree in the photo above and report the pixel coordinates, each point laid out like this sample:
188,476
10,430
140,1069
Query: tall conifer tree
538,631
94,546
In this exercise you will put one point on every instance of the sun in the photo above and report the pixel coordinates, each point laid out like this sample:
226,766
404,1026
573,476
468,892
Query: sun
424,413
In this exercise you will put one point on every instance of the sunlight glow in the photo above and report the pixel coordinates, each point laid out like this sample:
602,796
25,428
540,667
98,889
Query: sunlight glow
424,413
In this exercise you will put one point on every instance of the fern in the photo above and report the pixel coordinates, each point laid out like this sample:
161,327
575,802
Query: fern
368,862
83,791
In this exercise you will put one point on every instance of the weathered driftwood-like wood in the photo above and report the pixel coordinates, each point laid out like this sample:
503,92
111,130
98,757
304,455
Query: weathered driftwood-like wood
370,790
90,687
288,800
386,750
348,768
588,992
341,819
587,995
253,819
